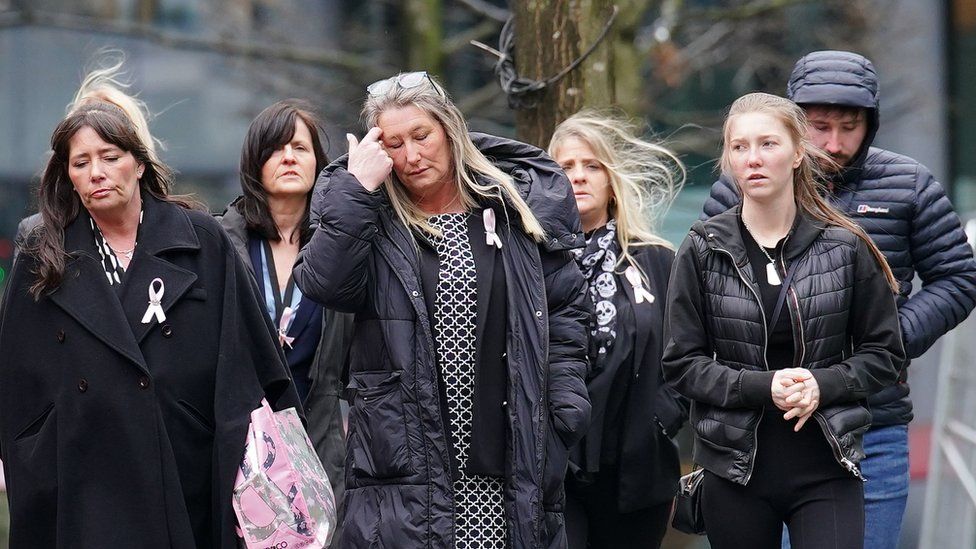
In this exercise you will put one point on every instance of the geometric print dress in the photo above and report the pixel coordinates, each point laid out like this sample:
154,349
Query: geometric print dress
479,500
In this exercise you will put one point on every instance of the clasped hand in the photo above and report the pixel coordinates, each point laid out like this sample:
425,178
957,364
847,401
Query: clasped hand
795,391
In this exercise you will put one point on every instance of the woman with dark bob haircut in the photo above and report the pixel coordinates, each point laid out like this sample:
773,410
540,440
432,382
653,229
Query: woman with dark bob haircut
268,224
133,348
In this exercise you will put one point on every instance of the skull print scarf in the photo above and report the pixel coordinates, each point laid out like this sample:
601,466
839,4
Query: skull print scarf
597,261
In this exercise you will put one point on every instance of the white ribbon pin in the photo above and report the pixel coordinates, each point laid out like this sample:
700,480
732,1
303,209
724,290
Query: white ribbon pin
640,294
491,237
283,338
155,302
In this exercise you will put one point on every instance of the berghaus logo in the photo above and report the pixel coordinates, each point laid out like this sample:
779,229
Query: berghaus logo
864,208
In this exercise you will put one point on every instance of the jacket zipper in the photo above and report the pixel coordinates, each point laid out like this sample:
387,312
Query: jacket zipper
831,438
835,447
755,430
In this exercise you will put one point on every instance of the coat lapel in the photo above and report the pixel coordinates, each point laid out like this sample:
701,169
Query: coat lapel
86,295
165,228
642,320
484,258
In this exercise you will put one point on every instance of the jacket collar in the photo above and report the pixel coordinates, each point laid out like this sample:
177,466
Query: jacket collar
233,223
722,232
116,318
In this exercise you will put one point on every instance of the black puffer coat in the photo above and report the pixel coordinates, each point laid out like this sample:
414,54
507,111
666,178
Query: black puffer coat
903,209
840,306
361,259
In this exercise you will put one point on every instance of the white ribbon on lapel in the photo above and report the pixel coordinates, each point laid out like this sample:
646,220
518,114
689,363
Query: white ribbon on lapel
640,294
155,302
286,317
491,237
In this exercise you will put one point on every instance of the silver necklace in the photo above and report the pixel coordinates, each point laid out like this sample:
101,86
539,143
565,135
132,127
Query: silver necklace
124,253
772,275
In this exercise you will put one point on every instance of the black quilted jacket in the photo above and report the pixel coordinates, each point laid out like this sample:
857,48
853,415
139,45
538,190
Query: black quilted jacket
904,210
361,259
845,326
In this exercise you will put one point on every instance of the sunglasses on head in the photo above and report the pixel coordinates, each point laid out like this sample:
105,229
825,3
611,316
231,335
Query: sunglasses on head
405,80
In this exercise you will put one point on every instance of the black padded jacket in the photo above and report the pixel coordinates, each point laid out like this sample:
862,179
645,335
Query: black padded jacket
903,209
841,308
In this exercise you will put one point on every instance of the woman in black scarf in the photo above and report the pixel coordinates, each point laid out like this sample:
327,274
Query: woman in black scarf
624,472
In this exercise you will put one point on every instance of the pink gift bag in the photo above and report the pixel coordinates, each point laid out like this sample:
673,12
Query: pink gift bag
282,495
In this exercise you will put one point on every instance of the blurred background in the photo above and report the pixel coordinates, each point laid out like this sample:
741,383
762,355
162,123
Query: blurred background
206,68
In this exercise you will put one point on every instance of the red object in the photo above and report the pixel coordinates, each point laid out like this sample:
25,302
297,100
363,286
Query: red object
919,447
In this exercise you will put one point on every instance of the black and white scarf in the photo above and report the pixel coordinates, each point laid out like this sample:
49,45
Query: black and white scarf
597,261
110,262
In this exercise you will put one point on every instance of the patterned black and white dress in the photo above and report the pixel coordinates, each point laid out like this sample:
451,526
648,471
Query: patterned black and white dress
479,500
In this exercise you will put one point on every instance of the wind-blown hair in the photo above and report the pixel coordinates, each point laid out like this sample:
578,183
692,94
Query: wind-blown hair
468,163
644,177
809,176
58,202
105,84
270,131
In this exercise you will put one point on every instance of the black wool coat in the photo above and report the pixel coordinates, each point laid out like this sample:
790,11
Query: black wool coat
115,433
398,473
647,461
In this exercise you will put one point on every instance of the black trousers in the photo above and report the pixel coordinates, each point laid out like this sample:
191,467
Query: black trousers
593,522
819,515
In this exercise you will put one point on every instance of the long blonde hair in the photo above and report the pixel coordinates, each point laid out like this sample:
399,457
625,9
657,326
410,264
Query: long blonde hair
808,177
468,162
644,177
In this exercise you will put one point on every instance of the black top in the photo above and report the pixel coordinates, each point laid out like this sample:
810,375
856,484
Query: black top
802,456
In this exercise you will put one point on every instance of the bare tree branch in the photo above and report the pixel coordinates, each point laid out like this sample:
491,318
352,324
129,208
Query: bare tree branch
481,7
462,39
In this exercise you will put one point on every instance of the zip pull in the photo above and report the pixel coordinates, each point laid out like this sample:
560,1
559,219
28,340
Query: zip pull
852,467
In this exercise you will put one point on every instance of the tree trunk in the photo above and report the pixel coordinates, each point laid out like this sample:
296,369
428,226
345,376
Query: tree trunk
549,36
425,26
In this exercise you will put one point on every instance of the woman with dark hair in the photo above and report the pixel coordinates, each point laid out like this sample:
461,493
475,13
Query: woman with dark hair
780,311
268,224
469,353
133,349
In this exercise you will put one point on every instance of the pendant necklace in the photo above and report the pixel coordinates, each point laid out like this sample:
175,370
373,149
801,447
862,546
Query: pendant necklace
772,275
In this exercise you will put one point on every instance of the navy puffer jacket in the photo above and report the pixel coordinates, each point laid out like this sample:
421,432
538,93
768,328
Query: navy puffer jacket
901,206
362,259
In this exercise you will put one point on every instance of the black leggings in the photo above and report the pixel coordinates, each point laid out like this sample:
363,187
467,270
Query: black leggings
820,515
593,522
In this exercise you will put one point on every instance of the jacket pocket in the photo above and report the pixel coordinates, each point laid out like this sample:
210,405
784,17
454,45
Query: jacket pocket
197,416
554,471
34,426
378,440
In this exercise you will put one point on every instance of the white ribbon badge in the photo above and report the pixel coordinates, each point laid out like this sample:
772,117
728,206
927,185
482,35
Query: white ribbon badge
633,276
155,302
286,317
491,237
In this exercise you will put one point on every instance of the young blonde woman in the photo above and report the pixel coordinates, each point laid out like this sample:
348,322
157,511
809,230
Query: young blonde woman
782,321
624,472
468,358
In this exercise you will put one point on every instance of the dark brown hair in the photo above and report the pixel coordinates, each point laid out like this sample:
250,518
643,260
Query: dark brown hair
270,131
59,204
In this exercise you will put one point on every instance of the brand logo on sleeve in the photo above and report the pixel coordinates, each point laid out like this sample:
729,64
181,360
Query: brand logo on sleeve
864,208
